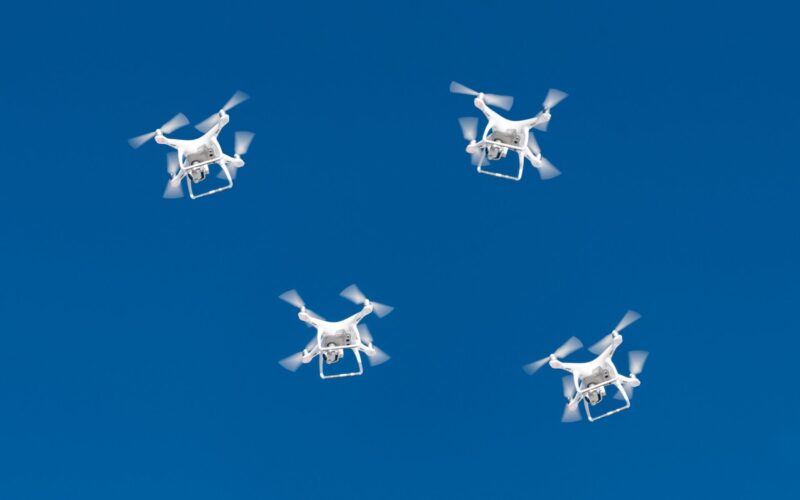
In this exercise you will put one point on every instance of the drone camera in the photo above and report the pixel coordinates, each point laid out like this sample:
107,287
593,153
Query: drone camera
334,355
198,173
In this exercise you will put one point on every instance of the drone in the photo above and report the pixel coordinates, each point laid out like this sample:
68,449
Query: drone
588,380
333,338
502,135
194,157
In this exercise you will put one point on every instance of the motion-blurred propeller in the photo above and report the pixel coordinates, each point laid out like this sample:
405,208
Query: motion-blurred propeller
626,321
293,362
571,345
353,294
553,97
174,187
546,169
570,414
469,127
379,357
237,98
172,125
501,101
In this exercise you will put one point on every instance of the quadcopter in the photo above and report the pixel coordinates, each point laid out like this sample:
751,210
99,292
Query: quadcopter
502,135
333,338
194,157
589,380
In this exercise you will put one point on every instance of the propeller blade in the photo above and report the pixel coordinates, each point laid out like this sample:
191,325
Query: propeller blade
172,164
553,97
237,98
569,387
381,310
626,320
378,358
293,298
478,158
175,123
570,415
293,362
636,360
136,142
547,170
469,127
501,101
601,345
364,333
570,346
533,144
311,343
314,315
231,170
205,125
457,88
628,390
532,368
242,142
542,126
174,189
353,294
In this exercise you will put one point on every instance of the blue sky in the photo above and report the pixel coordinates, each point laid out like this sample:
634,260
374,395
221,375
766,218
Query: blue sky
140,336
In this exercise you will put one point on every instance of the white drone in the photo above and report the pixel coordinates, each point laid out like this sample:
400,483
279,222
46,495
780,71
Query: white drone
194,156
502,135
589,380
333,338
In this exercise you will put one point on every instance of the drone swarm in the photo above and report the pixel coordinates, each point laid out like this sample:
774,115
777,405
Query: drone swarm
587,381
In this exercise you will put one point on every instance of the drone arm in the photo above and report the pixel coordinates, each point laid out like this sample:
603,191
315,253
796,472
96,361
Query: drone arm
233,161
310,355
488,112
616,341
173,143
308,319
558,365
543,117
217,128
631,381
366,310
474,147
369,350
536,160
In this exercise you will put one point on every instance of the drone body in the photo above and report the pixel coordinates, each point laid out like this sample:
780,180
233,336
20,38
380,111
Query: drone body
502,135
587,381
193,158
334,338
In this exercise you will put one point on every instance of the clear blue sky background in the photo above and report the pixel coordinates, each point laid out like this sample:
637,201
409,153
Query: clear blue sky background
140,336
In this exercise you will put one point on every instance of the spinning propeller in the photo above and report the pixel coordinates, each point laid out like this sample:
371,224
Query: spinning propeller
379,357
174,186
570,414
293,298
567,348
636,360
241,144
172,125
501,101
353,294
626,320
469,128
237,98
553,97
546,169
293,362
